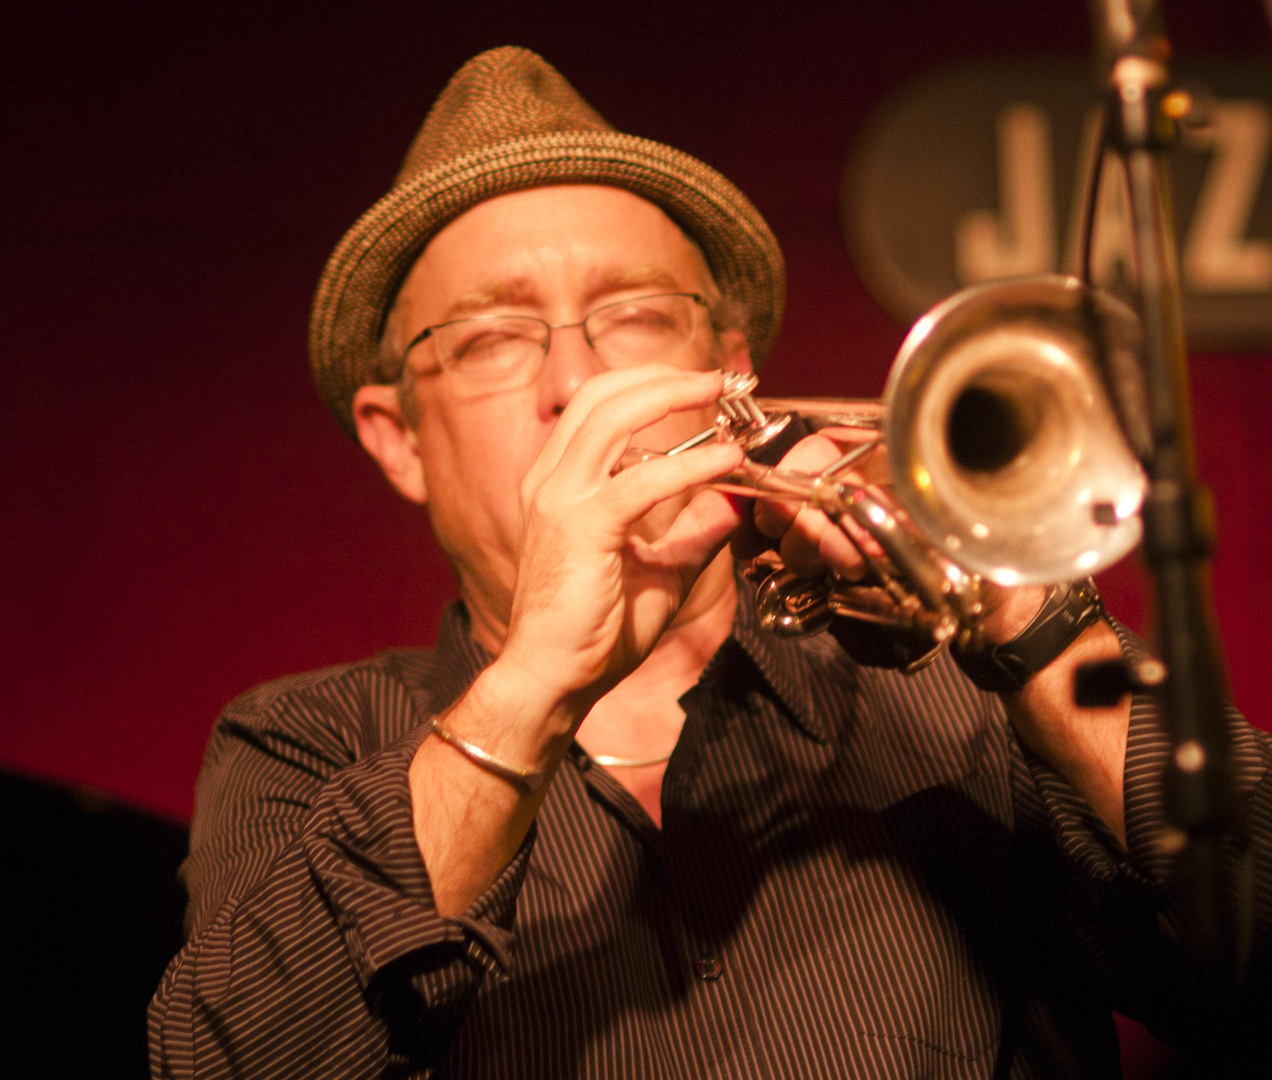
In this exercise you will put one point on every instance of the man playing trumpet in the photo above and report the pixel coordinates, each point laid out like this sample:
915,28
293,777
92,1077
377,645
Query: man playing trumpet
608,827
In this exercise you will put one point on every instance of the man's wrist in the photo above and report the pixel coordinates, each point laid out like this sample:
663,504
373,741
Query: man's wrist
1064,615
514,715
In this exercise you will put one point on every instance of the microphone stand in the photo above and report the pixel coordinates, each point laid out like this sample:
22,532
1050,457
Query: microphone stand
1141,116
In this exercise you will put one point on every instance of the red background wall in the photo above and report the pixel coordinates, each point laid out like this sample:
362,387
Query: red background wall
182,519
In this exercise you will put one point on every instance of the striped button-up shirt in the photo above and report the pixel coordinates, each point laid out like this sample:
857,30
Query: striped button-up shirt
857,874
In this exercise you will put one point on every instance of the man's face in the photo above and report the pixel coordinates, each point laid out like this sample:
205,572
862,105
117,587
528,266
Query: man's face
556,253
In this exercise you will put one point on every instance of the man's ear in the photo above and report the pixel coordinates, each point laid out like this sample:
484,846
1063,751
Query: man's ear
387,437
735,355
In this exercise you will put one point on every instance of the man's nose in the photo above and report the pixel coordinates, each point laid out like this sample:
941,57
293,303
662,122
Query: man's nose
570,360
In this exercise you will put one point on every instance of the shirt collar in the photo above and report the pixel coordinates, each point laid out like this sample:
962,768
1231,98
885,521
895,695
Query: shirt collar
804,673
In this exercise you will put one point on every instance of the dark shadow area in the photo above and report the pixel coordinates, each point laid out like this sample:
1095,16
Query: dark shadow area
92,914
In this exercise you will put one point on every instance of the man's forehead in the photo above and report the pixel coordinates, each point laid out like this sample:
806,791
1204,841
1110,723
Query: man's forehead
515,290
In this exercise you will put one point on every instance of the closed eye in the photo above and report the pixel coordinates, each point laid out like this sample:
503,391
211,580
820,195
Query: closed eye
636,316
490,343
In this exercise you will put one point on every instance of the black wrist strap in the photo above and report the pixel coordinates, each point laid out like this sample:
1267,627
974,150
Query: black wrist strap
1004,669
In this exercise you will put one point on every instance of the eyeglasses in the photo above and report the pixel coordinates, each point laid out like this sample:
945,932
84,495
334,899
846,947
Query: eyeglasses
505,347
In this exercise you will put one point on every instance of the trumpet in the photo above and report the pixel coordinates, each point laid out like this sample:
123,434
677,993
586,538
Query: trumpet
1008,462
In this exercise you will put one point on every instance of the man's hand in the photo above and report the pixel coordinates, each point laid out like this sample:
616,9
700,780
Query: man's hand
808,541
606,562
599,580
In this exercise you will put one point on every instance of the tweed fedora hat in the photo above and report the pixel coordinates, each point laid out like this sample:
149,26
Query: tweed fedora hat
507,121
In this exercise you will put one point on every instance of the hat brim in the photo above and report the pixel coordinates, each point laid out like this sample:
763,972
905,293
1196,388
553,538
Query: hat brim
362,277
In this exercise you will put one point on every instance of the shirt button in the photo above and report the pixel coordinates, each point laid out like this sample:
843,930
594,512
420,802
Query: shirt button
708,968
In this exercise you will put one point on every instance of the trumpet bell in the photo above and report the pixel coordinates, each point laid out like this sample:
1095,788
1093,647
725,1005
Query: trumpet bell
1003,446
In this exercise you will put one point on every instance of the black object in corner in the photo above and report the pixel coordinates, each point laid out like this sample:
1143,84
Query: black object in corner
91,914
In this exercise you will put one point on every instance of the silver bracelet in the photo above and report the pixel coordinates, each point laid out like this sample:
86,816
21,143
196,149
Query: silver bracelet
526,779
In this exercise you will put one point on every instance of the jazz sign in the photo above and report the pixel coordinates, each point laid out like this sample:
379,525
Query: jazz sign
969,174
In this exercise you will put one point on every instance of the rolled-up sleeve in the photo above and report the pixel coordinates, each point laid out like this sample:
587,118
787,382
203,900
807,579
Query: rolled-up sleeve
321,953
1119,902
